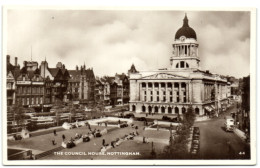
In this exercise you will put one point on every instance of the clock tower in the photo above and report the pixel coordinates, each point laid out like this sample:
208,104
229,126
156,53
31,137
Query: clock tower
185,48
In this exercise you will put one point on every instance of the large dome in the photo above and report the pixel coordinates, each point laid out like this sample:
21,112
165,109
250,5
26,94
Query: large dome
186,30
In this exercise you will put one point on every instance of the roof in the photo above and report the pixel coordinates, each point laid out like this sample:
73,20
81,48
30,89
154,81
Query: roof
54,71
186,30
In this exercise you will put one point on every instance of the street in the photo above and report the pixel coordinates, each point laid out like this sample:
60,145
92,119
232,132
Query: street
216,143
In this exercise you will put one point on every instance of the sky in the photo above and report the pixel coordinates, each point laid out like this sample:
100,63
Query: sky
111,41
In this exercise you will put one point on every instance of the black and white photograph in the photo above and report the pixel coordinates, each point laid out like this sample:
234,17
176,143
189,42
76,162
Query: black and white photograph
148,86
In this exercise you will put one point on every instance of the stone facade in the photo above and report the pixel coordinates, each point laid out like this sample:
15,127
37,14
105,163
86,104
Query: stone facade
183,84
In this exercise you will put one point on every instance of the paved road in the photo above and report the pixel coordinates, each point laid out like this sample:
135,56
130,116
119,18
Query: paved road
214,141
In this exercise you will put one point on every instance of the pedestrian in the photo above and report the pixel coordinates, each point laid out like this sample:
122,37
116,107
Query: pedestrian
144,139
54,132
53,142
63,137
112,144
103,142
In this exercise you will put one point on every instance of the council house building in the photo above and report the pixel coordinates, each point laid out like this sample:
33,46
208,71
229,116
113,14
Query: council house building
172,90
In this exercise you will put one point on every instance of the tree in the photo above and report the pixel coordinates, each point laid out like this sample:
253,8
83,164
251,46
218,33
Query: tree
178,147
189,117
19,114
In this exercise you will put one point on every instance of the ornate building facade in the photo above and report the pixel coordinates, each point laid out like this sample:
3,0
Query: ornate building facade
183,84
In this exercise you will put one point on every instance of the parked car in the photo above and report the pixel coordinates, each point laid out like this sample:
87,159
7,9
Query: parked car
196,130
195,141
129,115
196,136
195,146
141,119
194,151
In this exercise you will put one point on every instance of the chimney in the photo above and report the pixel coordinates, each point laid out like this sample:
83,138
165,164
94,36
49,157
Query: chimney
8,59
25,63
15,61
77,68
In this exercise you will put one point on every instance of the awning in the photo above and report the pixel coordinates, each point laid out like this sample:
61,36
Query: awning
213,107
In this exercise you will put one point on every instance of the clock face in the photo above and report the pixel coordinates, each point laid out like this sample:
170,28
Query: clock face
182,38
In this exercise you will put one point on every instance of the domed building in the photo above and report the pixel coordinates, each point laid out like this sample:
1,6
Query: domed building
183,84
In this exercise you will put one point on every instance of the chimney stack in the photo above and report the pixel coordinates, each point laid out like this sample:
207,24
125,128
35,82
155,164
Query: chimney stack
8,58
25,63
15,61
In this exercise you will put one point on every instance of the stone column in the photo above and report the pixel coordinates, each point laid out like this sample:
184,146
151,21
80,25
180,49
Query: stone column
153,91
160,98
166,92
146,89
178,51
173,93
140,92
197,50
180,93
187,92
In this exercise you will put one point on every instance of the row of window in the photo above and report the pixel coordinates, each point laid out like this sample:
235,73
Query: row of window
182,64
169,85
163,109
146,98
30,101
30,90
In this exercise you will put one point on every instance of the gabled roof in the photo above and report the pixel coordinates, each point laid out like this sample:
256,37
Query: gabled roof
53,71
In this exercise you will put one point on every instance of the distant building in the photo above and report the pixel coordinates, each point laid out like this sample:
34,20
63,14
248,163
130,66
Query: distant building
82,85
132,70
30,86
122,88
56,82
246,104
99,91
11,74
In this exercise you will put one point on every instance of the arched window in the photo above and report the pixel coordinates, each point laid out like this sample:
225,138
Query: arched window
176,109
143,84
197,111
143,108
156,109
163,109
183,85
133,107
169,110
182,64
150,109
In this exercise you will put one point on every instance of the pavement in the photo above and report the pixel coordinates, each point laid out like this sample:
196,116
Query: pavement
159,138
216,143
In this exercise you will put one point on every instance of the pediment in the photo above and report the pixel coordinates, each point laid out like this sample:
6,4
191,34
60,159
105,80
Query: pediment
164,76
